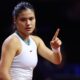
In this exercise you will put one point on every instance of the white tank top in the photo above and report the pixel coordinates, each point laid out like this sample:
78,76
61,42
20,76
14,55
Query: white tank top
24,63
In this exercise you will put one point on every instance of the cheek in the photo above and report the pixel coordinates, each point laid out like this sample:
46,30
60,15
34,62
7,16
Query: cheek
20,24
34,23
33,26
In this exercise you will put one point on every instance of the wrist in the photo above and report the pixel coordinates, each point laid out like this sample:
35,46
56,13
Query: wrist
56,50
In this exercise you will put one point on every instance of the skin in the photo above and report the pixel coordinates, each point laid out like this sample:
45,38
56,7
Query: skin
25,23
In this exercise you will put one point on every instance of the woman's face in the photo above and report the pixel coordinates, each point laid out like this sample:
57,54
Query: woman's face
25,22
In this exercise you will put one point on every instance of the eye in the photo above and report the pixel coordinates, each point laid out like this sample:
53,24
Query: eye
31,18
23,19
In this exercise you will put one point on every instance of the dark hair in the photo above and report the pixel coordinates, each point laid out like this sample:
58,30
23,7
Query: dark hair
18,8
21,6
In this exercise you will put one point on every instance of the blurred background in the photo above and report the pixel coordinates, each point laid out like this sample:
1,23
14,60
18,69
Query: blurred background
51,14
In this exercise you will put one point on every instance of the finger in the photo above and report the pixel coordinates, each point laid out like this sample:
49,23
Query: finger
56,34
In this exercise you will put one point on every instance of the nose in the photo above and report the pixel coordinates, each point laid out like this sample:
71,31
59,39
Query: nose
28,22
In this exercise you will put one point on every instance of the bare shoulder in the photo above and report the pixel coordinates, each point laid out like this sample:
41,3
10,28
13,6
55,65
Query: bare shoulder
37,39
9,50
11,40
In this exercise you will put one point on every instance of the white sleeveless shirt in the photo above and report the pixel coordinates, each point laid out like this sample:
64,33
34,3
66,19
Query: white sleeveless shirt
24,63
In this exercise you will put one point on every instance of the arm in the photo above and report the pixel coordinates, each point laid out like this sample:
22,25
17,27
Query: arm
54,54
8,52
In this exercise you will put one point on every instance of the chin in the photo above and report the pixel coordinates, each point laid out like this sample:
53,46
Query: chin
28,33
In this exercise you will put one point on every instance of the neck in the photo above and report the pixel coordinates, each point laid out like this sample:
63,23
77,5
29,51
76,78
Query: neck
25,39
23,36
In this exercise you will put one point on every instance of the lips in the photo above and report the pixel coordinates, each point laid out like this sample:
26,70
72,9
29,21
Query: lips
28,29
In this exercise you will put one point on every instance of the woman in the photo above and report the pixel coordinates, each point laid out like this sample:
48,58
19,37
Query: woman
19,50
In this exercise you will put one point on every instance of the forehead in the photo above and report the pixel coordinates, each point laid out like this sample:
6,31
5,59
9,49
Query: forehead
26,13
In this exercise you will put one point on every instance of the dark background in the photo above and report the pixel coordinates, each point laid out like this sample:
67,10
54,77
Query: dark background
50,15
